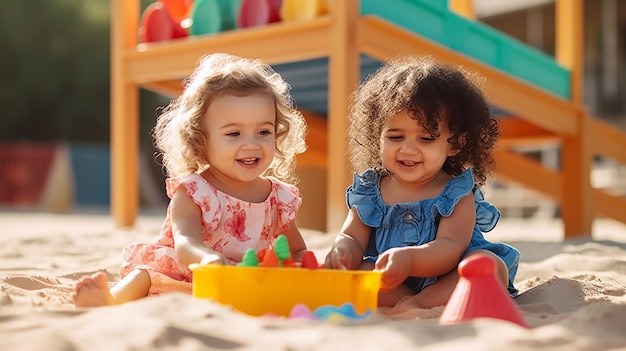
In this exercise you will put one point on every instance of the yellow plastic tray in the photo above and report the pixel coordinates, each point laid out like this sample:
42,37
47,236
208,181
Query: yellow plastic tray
268,290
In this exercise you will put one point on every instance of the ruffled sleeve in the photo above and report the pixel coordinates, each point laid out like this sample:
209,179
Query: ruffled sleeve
201,193
487,215
288,202
364,195
172,184
192,183
456,189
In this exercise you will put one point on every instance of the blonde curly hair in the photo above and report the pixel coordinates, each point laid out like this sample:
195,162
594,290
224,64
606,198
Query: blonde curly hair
179,135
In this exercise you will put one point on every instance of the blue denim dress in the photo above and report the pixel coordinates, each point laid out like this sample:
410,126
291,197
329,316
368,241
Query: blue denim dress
415,223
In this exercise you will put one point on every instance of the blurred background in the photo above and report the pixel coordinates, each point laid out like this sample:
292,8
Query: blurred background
54,95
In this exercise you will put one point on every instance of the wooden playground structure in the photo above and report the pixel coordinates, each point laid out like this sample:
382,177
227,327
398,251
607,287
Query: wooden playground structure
342,36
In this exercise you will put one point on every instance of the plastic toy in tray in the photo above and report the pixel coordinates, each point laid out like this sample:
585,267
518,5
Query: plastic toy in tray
269,282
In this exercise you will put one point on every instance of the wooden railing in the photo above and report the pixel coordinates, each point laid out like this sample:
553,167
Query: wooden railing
343,36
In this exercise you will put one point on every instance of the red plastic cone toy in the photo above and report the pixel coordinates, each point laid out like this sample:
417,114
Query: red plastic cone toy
479,294
309,260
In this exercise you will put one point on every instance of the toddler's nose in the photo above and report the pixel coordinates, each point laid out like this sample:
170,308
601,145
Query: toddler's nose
251,143
409,147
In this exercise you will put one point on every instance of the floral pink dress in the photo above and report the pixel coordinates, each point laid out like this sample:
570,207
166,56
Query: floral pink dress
229,226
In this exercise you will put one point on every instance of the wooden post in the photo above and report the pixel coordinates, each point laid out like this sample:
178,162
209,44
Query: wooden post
343,78
463,8
577,202
569,24
576,161
124,115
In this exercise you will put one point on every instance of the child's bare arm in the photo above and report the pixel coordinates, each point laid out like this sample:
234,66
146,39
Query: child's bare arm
349,246
297,246
187,232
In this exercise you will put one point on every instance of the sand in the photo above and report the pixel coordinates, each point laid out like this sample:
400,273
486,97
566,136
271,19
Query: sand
573,297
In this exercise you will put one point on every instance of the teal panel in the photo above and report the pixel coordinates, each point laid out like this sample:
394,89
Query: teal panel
427,18
441,5
477,40
535,67
433,20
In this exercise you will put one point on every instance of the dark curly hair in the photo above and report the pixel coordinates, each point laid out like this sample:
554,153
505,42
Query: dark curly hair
431,92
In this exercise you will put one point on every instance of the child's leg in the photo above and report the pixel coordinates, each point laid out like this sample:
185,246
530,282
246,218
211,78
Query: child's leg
94,290
391,298
433,295
438,293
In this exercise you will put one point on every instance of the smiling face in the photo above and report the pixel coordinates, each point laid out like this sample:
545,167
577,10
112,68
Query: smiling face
410,152
241,136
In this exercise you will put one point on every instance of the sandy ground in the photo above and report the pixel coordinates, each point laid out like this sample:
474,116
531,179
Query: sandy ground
573,297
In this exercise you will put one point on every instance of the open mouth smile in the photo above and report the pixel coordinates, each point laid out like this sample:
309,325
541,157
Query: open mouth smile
249,161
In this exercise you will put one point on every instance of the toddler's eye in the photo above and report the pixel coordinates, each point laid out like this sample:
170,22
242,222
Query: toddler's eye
395,137
232,134
427,139
265,132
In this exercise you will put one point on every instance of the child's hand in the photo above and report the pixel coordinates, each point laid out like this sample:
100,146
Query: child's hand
213,258
395,265
338,258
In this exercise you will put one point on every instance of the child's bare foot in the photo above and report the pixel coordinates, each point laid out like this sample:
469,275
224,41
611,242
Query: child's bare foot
92,291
